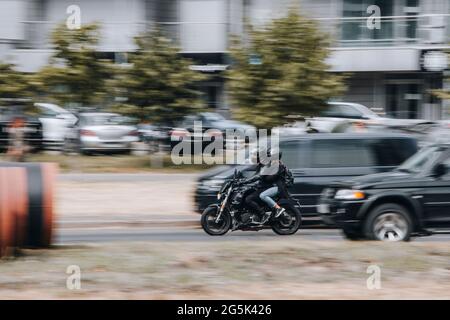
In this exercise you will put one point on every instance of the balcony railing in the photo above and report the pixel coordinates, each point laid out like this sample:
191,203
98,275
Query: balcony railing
426,30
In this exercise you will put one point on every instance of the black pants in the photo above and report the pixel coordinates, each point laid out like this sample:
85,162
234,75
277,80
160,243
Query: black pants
252,201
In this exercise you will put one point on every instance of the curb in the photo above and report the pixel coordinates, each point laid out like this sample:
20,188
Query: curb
124,224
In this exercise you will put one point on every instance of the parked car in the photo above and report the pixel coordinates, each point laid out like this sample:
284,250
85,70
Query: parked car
33,127
294,128
55,121
208,120
348,117
100,132
316,160
413,199
438,133
156,137
339,116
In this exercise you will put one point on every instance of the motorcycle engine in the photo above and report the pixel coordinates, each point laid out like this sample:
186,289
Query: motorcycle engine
245,217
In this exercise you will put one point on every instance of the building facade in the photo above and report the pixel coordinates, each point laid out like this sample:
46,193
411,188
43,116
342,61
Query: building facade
393,62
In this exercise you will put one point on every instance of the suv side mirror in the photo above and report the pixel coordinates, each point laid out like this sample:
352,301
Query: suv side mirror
439,170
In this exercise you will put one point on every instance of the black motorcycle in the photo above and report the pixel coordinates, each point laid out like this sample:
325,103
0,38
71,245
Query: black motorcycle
232,213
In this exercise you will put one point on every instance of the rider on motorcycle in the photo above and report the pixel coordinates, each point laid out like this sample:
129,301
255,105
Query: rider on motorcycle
270,177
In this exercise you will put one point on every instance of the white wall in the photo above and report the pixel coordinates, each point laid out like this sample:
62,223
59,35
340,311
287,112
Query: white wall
12,12
374,59
203,25
121,20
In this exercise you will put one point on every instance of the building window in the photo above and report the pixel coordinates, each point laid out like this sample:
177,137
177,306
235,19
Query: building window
357,28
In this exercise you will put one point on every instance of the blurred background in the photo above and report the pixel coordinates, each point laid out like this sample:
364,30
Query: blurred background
394,70
110,87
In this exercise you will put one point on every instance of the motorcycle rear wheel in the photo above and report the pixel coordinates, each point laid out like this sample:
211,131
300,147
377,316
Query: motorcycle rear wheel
288,223
209,224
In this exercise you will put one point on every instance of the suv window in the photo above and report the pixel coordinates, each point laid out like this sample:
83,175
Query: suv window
340,153
421,160
294,154
188,121
342,111
331,111
47,113
350,112
392,152
446,162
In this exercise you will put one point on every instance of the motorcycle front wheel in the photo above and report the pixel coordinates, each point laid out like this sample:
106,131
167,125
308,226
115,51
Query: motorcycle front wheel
211,225
288,222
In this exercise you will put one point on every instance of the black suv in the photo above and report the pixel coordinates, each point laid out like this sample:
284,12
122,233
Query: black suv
410,200
316,160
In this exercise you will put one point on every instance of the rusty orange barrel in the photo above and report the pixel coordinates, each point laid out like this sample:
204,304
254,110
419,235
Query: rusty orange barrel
18,195
13,210
6,216
35,229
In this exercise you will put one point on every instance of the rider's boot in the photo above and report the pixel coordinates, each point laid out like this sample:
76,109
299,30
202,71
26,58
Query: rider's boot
279,211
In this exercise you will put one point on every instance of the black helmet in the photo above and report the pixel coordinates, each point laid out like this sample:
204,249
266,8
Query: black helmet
268,154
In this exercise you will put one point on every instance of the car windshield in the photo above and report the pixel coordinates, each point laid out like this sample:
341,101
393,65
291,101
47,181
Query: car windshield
213,116
418,162
100,120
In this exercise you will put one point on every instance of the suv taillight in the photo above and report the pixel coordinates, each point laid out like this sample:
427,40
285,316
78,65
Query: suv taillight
87,133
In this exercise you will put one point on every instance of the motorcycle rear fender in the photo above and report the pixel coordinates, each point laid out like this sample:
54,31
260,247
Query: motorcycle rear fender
290,203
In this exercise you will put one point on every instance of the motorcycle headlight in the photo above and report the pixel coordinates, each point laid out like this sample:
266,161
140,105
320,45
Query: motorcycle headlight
349,194
218,196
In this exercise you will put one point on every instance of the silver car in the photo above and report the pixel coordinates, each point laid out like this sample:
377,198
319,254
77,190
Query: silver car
100,131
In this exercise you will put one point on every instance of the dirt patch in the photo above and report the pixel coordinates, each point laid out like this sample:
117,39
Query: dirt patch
282,269
129,202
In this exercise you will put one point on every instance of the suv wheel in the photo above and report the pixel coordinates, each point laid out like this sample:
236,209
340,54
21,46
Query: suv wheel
388,222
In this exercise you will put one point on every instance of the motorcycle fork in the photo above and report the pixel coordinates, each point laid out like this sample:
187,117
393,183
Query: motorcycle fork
222,206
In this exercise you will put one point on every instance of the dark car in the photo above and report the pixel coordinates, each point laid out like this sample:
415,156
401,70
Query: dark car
33,136
155,136
409,200
316,160
208,121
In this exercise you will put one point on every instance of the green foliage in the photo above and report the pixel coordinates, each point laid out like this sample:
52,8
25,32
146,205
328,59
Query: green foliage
13,84
289,75
75,73
158,85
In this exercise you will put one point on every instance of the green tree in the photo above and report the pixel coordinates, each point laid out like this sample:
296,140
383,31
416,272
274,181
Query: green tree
280,70
158,86
14,84
76,74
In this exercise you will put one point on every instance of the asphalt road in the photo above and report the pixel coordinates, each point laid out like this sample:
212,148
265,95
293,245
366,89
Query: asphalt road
74,229
98,235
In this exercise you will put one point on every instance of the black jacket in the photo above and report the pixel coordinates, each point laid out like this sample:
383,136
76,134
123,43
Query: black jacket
268,177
